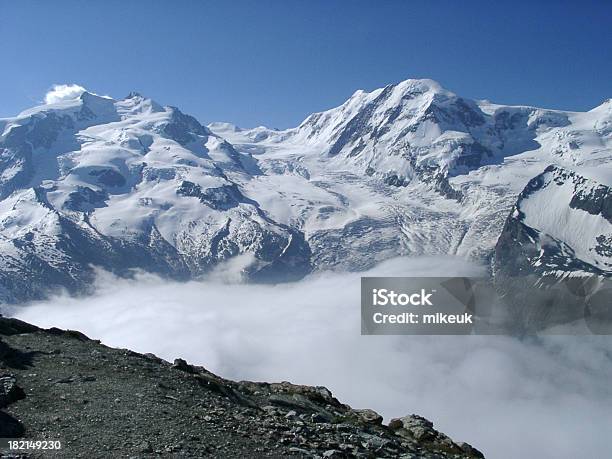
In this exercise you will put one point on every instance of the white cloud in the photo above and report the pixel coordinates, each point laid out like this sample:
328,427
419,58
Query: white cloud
544,398
61,92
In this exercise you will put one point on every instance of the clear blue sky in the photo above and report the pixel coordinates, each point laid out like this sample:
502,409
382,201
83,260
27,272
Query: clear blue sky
274,62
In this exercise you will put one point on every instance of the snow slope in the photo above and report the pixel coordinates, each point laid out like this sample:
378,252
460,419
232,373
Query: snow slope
553,260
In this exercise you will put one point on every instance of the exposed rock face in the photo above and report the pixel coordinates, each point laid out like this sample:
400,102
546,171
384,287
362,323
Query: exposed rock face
555,253
420,429
9,391
103,402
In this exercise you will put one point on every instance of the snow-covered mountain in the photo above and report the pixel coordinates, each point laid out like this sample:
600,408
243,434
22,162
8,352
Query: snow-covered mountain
560,224
408,169
124,184
415,169
555,250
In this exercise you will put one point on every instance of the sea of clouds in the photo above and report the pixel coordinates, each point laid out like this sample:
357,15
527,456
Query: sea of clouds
546,397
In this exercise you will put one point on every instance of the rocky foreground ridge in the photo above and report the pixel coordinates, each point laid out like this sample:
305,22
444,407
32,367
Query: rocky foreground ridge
105,402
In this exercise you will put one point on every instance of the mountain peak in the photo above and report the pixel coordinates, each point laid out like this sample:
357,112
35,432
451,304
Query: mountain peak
222,127
91,99
422,84
411,84
606,105
135,103
395,92
134,94
377,131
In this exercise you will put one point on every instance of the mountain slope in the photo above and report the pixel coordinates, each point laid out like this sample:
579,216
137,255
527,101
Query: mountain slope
567,219
127,184
124,404
553,260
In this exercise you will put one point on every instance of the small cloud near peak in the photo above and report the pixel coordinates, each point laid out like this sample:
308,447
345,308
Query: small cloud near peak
61,92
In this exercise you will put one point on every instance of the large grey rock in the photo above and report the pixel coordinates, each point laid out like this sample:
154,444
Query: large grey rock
10,392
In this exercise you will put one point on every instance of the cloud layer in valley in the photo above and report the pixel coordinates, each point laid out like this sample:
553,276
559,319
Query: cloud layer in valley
544,398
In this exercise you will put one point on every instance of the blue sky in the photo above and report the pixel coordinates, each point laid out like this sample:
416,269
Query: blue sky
274,62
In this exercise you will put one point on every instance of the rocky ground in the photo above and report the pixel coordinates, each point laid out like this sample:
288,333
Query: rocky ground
102,402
